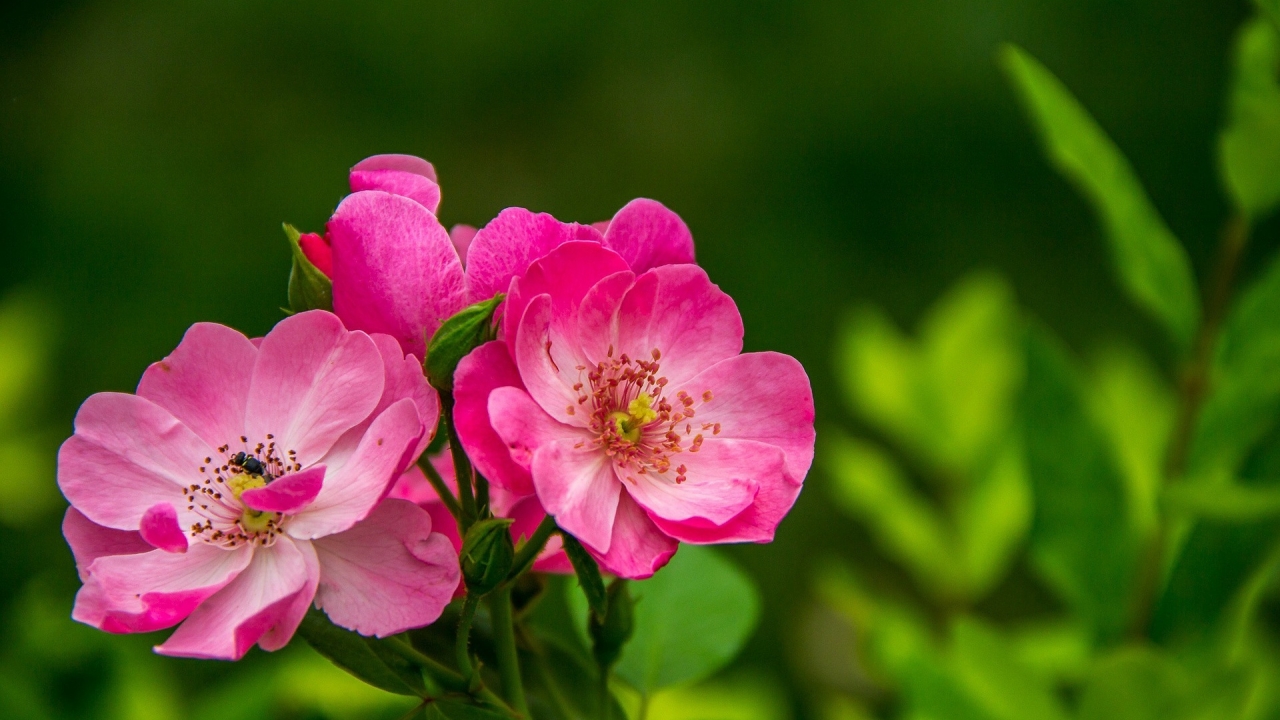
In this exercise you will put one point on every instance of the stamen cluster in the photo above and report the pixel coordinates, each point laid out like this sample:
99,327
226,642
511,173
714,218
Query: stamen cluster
228,522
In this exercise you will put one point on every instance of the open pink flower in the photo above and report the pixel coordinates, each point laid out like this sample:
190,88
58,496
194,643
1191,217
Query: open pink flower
245,481
631,411
524,510
396,270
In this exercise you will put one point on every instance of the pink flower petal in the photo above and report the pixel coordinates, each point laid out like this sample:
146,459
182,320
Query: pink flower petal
316,249
722,478
566,274
648,235
757,523
160,529
290,616
230,622
485,369
395,270
639,548
548,364
205,382
524,427
90,541
288,494
462,236
527,514
510,243
127,454
313,381
405,175
578,487
760,396
155,590
388,573
353,489
677,310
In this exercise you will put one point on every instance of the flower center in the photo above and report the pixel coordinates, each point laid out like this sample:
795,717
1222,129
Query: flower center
636,422
228,522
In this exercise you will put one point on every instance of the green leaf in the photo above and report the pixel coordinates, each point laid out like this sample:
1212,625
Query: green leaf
691,619
891,636
1140,684
588,572
981,678
1249,147
309,289
357,655
992,518
1229,502
453,710
470,328
1081,539
1270,9
1152,266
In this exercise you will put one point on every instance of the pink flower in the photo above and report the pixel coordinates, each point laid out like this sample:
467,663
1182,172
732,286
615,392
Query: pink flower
525,510
396,270
623,401
245,480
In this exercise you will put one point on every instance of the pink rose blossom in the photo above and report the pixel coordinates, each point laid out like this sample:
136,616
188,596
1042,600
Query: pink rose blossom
396,270
625,403
246,480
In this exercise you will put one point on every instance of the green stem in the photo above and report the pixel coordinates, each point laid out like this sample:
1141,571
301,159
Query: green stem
461,467
448,679
437,482
528,552
606,704
554,693
504,640
482,496
463,645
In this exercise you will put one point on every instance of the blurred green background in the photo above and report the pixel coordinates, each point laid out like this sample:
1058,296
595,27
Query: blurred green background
826,154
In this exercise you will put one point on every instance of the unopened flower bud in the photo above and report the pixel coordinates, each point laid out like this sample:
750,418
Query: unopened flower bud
487,555
470,328
610,633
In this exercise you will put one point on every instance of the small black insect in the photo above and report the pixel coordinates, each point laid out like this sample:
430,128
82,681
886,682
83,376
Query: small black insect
249,464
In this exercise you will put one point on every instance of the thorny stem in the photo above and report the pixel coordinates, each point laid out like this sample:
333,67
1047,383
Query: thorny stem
504,640
437,482
1193,391
461,467
463,648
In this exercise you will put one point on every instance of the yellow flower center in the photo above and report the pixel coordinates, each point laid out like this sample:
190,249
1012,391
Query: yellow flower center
639,413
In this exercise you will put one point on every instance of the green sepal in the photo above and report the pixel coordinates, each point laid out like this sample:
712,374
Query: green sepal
588,574
470,328
309,289
610,633
487,555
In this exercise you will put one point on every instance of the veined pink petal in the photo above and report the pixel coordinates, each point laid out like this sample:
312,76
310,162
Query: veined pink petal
566,274
204,383
290,616
155,590
639,548
159,527
127,455
395,270
316,248
462,236
352,490
510,243
757,523
677,310
523,426
648,235
722,478
90,541
313,381
597,318
761,396
388,573
231,621
405,175
485,369
289,494
579,488
548,364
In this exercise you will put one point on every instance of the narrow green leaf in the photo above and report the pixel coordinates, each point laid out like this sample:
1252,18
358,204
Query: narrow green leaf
1081,538
309,289
1152,266
353,653
471,327
588,573
1249,147
1228,502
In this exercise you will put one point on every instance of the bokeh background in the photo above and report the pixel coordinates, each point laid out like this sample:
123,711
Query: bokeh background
825,153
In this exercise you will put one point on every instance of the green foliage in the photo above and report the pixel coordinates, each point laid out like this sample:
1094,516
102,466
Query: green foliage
1249,147
309,289
588,572
359,656
1141,684
471,327
1152,266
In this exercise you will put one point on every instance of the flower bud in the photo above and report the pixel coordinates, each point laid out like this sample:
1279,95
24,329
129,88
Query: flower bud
468,329
610,633
487,555
309,288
